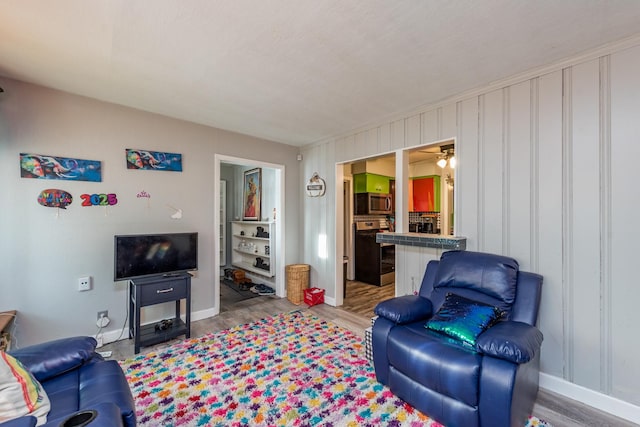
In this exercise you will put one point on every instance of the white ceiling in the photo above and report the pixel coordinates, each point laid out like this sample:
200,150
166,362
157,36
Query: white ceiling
294,71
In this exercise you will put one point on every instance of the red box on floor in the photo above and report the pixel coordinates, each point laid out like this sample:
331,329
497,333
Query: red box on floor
313,296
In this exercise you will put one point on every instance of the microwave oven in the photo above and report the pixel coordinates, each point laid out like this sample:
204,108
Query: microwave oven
373,204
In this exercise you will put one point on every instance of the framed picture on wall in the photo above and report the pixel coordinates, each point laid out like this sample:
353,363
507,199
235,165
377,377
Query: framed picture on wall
153,160
252,195
44,166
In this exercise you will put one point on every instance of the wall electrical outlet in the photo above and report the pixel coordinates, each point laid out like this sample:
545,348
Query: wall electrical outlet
84,283
103,319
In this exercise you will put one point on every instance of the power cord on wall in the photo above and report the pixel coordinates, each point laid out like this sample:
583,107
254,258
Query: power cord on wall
103,321
124,325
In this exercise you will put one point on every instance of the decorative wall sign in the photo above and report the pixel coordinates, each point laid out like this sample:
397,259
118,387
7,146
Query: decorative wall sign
143,195
252,195
316,186
177,212
99,199
52,167
153,160
54,198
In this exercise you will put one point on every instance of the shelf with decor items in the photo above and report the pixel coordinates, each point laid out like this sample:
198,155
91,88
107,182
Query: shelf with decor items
253,243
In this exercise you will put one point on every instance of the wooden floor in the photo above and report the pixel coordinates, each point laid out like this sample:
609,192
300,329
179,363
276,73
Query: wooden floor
361,297
555,409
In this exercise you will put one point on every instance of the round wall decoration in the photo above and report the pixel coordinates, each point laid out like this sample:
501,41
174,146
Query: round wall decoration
316,186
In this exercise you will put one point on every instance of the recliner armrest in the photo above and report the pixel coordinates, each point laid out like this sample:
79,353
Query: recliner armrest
405,309
515,342
53,358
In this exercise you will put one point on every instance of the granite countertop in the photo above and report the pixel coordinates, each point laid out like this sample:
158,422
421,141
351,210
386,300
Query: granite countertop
423,240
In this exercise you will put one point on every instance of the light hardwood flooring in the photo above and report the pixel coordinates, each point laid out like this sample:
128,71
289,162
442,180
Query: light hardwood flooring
361,298
556,409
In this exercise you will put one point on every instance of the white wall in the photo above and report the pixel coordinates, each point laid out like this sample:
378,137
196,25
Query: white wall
548,179
226,173
43,254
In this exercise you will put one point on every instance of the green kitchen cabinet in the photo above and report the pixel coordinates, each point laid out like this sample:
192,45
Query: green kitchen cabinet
370,183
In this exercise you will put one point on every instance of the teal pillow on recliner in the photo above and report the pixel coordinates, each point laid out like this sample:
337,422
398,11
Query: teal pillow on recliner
463,319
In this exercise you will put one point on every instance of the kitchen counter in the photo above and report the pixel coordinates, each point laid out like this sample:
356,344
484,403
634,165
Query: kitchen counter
423,240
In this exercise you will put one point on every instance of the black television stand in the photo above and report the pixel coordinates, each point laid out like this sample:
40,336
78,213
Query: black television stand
157,290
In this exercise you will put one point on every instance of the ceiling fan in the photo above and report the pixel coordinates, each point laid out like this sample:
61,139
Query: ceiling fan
448,155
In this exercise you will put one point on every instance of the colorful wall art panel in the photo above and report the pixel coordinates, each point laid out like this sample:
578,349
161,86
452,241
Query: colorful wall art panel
51,167
153,160
54,198
99,199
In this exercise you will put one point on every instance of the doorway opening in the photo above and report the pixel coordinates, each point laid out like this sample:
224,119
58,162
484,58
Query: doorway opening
369,208
248,243
421,189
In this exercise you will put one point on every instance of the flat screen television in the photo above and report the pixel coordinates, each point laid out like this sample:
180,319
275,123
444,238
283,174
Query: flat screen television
143,255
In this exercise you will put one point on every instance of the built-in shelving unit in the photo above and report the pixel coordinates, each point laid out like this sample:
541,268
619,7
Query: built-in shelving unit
251,247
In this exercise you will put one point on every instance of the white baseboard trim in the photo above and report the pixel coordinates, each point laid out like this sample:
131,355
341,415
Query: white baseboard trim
600,401
203,314
112,336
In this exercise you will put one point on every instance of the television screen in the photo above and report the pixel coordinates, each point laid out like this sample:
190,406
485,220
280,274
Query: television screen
154,254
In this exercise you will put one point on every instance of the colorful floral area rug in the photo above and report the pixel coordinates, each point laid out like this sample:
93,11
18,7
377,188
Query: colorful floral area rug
288,370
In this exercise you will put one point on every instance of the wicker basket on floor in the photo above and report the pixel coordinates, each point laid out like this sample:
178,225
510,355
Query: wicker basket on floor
297,282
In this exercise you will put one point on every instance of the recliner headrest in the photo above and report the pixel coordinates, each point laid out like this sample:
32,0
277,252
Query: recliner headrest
490,274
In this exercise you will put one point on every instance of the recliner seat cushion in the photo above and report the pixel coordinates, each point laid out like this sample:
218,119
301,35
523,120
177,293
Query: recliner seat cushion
436,362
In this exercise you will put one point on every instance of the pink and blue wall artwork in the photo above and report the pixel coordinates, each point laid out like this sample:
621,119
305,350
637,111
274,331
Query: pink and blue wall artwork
153,160
43,166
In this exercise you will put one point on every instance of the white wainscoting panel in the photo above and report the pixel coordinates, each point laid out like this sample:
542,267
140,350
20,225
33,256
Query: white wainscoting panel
549,237
519,185
413,131
584,226
492,171
624,283
548,173
411,261
397,134
467,183
430,127
448,121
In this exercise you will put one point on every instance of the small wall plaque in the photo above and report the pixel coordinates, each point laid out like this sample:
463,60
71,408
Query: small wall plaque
316,186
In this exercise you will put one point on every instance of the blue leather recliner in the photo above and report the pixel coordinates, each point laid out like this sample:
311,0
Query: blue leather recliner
492,383
77,379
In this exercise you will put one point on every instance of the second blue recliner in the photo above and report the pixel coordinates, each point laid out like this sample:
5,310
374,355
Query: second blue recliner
465,351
